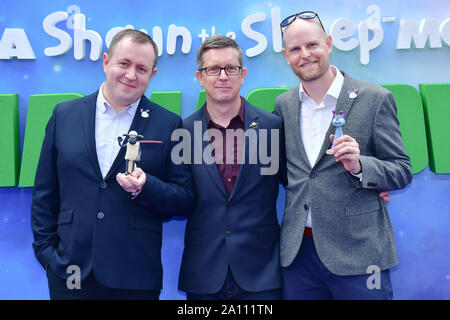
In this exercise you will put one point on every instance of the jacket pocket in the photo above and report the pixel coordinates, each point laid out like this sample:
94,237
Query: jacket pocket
194,236
65,216
145,223
268,234
362,208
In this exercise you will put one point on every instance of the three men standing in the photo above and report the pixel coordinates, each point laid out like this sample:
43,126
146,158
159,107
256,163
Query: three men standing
335,225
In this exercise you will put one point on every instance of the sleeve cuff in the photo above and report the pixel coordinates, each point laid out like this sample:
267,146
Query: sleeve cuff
133,195
358,175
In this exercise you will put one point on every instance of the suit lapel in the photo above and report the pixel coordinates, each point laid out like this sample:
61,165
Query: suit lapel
293,123
89,130
210,168
250,116
139,123
344,103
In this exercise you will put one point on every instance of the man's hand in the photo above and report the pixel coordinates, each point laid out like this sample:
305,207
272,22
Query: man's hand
385,196
346,150
133,182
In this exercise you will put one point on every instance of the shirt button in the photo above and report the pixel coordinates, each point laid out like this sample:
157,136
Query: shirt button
100,215
229,179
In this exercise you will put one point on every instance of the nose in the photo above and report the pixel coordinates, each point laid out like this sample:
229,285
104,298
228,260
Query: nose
223,75
305,53
130,75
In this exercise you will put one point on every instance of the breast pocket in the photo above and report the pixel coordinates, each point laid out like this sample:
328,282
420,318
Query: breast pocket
152,148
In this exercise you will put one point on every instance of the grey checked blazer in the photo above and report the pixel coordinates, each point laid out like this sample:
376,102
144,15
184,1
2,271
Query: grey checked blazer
350,222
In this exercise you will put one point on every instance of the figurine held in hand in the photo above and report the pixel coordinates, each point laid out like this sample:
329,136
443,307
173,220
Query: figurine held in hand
338,121
133,154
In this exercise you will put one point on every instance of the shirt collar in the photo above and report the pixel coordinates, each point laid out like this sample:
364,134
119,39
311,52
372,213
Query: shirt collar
240,114
103,105
334,90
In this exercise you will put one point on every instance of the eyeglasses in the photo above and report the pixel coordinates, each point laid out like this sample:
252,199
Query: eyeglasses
215,71
302,15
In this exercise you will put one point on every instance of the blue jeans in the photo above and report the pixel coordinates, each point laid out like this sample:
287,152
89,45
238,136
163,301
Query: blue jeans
308,279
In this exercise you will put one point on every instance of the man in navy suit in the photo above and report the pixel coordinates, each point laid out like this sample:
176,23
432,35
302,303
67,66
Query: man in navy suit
232,237
94,226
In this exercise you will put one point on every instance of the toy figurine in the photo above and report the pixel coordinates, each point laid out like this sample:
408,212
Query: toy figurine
338,121
133,154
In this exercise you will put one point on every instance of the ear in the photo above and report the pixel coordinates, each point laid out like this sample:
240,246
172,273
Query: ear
198,74
329,44
106,61
284,53
243,75
153,72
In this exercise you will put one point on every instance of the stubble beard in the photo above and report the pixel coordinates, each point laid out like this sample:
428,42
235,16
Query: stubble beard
306,76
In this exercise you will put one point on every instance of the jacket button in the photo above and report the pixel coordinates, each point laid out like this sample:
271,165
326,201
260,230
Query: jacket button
228,233
228,205
100,215
306,207
103,185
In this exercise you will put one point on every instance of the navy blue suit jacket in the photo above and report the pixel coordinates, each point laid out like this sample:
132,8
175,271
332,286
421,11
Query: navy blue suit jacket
240,231
80,218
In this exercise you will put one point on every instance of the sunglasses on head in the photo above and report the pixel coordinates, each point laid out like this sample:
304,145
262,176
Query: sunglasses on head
302,15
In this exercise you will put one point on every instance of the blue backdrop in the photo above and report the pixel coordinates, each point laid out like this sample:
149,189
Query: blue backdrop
420,213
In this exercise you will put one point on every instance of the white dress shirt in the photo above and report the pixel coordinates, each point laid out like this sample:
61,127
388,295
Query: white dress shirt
109,126
315,121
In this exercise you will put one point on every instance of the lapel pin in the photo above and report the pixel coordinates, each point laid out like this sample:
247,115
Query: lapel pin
254,125
144,113
352,94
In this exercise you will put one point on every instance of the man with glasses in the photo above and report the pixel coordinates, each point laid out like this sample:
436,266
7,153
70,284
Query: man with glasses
337,240
232,237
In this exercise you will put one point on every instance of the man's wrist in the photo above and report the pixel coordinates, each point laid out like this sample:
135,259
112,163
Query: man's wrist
358,174
359,171
134,195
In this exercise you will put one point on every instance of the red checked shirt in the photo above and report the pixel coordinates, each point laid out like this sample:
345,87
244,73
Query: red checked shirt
228,171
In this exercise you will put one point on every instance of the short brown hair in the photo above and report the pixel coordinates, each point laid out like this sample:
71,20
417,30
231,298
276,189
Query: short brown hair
135,36
217,42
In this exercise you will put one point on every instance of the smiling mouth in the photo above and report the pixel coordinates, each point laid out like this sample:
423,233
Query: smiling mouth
308,64
127,85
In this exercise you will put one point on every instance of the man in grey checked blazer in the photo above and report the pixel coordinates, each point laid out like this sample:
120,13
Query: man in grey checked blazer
348,232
